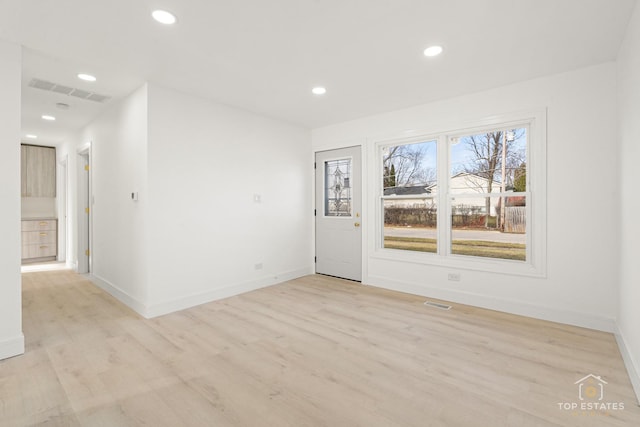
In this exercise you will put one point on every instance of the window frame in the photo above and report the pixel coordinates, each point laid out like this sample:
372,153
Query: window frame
535,263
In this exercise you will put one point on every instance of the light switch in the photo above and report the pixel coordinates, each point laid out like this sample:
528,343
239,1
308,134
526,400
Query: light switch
134,196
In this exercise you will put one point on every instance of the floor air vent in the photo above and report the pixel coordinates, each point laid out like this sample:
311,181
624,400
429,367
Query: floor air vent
66,90
437,305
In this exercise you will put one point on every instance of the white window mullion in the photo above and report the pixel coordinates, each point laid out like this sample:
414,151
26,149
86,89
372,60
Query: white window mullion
444,206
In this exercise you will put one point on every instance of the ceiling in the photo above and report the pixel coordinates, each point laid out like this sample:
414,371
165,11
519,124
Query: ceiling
265,56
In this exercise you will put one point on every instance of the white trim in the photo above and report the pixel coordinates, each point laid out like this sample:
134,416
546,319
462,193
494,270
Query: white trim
62,200
84,148
84,225
12,347
536,262
407,197
118,294
629,363
165,307
506,305
365,189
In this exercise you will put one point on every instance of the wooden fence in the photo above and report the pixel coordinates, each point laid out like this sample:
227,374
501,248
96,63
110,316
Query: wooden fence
515,219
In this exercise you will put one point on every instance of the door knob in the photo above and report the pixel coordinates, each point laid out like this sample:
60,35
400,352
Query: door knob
356,224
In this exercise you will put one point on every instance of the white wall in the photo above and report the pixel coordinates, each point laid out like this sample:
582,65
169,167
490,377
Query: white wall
206,232
580,286
11,338
195,234
66,151
629,128
119,166
61,205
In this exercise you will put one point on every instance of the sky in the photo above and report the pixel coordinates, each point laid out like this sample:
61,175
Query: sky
461,154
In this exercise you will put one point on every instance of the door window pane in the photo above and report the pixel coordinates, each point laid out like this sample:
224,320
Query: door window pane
337,194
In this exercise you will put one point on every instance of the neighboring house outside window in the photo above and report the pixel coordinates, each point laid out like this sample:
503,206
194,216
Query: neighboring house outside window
465,197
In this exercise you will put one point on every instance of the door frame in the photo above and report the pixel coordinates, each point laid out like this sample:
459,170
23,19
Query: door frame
84,221
63,208
365,214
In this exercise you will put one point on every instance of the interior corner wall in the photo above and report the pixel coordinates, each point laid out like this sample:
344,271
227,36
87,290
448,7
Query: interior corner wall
580,286
629,134
67,150
230,208
118,140
11,338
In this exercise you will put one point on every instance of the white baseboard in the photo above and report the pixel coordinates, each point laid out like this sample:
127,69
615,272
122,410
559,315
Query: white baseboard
158,309
166,307
12,347
499,304
629,363
118,294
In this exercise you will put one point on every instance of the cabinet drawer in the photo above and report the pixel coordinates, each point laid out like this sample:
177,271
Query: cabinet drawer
47,224
37,237
38,250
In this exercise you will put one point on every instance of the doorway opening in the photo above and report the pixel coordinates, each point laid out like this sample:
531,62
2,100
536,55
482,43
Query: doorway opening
84,234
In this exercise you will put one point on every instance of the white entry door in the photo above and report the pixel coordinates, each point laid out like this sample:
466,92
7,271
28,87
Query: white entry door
338,213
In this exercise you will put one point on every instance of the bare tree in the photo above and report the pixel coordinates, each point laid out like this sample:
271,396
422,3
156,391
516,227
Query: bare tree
487,157
404,165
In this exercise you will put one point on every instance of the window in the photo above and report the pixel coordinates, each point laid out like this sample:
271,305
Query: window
487,194
466,197
409,207
337,192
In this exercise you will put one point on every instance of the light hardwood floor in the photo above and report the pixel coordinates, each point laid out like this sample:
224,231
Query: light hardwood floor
316,351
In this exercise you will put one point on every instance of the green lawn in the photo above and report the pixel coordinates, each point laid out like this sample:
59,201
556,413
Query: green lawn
479,248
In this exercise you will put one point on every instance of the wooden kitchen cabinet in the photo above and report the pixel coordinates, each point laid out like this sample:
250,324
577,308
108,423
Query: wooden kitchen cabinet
38,171
39,240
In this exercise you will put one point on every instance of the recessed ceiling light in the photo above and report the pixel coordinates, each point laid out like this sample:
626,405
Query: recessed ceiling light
319,90
433,51
87,77
31,136
47,117
164,17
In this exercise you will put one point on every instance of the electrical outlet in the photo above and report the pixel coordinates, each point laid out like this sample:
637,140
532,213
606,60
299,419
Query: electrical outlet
454,277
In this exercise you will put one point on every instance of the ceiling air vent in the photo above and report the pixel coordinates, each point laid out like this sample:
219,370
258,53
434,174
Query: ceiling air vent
78,93
62,89
41,84
66,90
